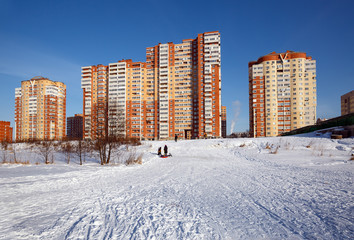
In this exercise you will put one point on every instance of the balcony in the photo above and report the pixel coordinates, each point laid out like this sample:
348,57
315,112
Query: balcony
86,75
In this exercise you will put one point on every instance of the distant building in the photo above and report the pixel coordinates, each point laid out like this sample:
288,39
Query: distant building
239,135
5,131
319,120
282,93
347,103
74,127
40,109
223,121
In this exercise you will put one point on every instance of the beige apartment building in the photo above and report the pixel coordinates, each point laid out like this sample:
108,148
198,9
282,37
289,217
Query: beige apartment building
40,109
94,85
347,103
282,93
177,91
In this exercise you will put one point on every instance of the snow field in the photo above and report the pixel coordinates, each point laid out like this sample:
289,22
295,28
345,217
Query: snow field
209,189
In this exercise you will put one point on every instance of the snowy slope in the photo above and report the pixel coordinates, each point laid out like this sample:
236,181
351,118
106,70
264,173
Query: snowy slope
209,189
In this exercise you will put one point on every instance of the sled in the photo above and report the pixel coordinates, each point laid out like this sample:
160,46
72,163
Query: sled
166,156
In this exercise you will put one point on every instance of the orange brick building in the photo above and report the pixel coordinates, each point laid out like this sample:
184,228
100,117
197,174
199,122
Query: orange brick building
177,91
5,131
282,93
40,109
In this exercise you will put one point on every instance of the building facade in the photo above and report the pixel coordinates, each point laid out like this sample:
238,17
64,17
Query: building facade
40,110
177,91
94,84
282,93
5,131
74,127
347,103
223,121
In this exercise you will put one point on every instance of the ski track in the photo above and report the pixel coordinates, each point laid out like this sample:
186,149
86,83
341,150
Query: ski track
220,192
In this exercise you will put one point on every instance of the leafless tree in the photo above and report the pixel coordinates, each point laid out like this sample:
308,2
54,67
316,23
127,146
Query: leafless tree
108,130
79,150
67,148
14,152
46,149
4,155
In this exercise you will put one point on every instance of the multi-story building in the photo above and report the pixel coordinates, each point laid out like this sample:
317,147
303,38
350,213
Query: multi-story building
347,103
282,93
95,87
177,91
40,109
74,127
223,121
131,100
5,131
189,86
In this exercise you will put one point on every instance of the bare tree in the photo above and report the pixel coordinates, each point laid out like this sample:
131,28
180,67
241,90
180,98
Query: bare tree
14,152
67,148
4,146
46,149
80,150
108,130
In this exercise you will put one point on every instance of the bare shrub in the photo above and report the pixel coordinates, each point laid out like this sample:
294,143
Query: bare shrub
133,157
135,142
309,145
318,151
17,162
287,145
268,146
24,162
4,153
274,150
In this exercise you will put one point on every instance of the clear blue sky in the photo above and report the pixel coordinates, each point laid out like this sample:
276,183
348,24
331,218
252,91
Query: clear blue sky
55,39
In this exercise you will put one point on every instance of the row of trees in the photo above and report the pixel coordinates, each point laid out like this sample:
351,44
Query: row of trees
107,128
104,149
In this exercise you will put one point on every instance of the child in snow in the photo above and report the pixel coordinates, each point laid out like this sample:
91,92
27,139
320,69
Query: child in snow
159,151
165,150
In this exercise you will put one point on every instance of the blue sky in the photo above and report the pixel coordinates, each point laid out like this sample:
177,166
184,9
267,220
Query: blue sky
55,39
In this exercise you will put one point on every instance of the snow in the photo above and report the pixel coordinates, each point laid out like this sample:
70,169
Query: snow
297,187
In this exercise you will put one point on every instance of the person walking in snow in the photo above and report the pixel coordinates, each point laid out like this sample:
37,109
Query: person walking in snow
159,151
165,150
176,137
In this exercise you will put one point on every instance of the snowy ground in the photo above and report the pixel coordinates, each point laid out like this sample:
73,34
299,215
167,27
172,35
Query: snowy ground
209,189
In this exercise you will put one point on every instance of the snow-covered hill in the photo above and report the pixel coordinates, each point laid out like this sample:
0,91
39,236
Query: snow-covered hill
270,188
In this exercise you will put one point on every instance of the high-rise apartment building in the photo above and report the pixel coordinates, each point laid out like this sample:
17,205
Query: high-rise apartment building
40,109
74,127
347,103
5,131
282,93
177,91
94,84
